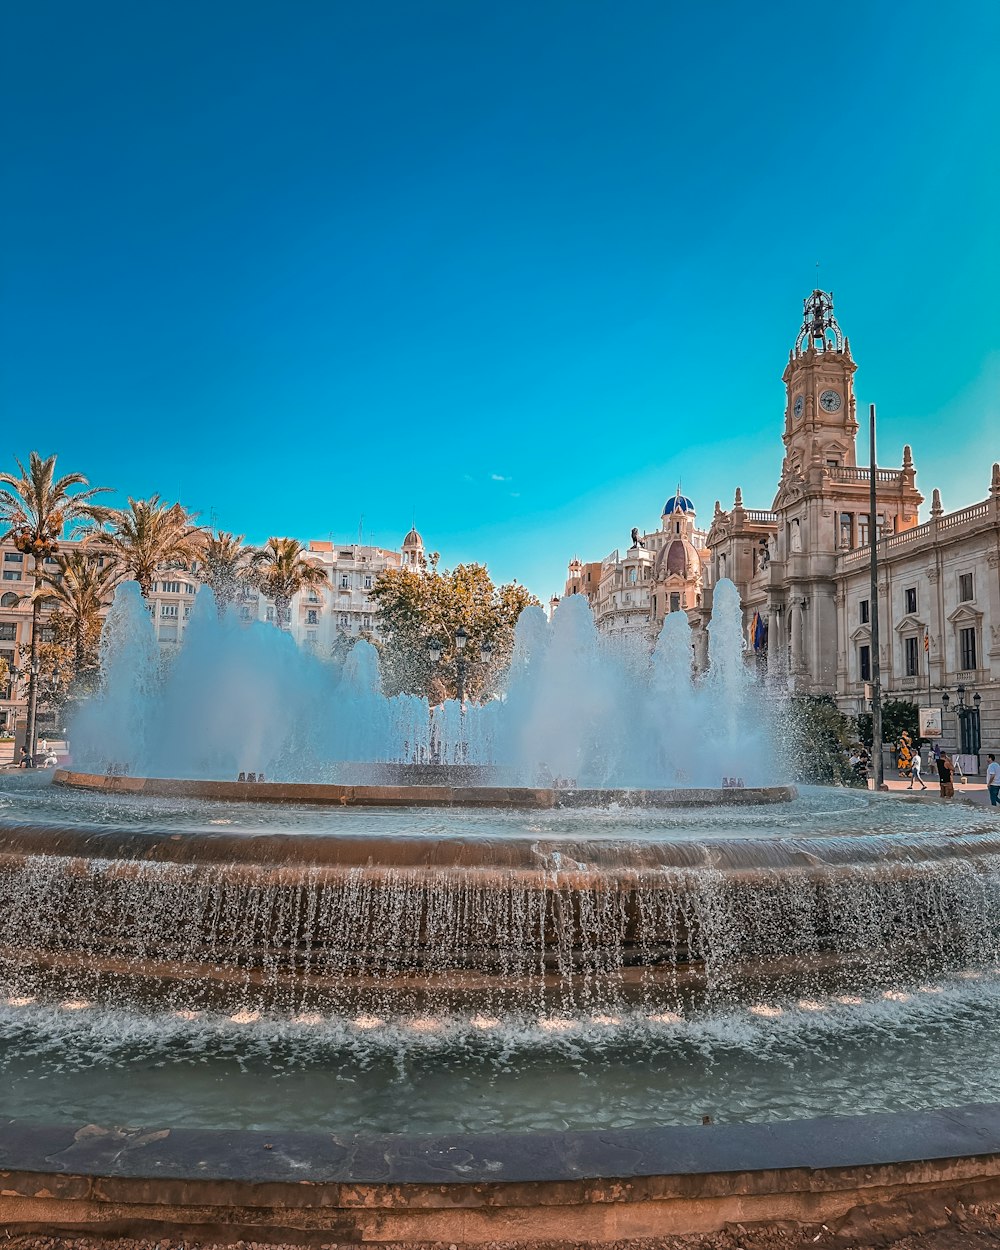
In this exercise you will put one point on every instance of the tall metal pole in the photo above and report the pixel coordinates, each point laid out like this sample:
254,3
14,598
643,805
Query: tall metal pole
927,661
876,668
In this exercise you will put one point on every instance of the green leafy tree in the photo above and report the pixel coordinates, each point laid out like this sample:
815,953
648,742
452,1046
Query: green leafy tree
280,570
899,716
415,608
225,566
822,736
149,535
36,509
55,673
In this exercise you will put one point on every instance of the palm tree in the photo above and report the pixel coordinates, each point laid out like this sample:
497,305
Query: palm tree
224,565
148,535
80,589
280,570
35,509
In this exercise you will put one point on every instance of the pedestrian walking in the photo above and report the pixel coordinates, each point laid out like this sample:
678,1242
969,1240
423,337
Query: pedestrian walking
993,780
915,771
947,771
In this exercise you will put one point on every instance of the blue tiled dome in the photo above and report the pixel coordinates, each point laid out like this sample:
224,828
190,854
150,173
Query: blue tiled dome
679,503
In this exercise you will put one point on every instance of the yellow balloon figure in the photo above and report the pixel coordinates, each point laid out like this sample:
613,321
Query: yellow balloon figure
904,754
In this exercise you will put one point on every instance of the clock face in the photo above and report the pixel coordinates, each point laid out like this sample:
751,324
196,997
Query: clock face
830,401
800,403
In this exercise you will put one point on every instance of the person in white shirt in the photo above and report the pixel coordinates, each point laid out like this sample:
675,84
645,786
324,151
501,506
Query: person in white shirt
993,780
915,771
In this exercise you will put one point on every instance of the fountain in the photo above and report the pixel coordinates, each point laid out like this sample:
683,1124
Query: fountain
485,1005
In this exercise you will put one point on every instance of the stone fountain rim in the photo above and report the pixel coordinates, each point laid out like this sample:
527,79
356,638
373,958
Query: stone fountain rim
594,1188
334,795
495,1160
589,857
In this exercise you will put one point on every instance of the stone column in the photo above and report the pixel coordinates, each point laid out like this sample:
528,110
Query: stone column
795,633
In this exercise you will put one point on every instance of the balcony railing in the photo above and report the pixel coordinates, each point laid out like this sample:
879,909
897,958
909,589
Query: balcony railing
972,513
951,520
846,473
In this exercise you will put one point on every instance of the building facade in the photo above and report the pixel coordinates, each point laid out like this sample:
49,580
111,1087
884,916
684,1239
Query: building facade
662,571
803,565
323,618
17,581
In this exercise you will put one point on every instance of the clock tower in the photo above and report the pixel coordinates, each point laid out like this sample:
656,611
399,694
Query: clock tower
820,420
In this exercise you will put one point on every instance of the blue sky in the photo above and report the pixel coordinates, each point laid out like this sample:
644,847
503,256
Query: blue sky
510,270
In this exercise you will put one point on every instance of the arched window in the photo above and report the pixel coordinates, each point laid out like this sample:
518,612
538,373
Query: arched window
9,600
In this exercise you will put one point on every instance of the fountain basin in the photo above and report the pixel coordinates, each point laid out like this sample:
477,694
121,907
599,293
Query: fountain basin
588,1188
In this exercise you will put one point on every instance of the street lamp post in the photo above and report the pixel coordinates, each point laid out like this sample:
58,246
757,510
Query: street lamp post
967,720
26,679
875,661
461,638
435,650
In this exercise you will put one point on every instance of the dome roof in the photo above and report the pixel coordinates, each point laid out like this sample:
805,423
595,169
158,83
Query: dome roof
679,503
413,539
677,558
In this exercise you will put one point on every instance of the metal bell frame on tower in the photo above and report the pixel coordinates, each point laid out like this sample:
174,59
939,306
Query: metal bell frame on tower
819,326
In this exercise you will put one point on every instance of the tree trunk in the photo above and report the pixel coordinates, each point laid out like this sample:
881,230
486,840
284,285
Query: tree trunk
31,737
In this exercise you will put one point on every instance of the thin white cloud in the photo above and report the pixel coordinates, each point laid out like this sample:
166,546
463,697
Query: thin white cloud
498,477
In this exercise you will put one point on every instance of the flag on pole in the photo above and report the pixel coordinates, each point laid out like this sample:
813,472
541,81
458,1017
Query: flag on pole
758,632
927,641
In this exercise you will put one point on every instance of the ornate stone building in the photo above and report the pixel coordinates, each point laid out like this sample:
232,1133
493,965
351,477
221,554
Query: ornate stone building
802,566
662,571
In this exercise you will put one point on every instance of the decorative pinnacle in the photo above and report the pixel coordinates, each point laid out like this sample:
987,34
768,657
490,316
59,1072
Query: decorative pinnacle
936,508
738,501
907,456
995,481
718,506
819,328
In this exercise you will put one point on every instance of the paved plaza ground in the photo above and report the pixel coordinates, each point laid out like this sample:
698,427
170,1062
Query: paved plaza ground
972,791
